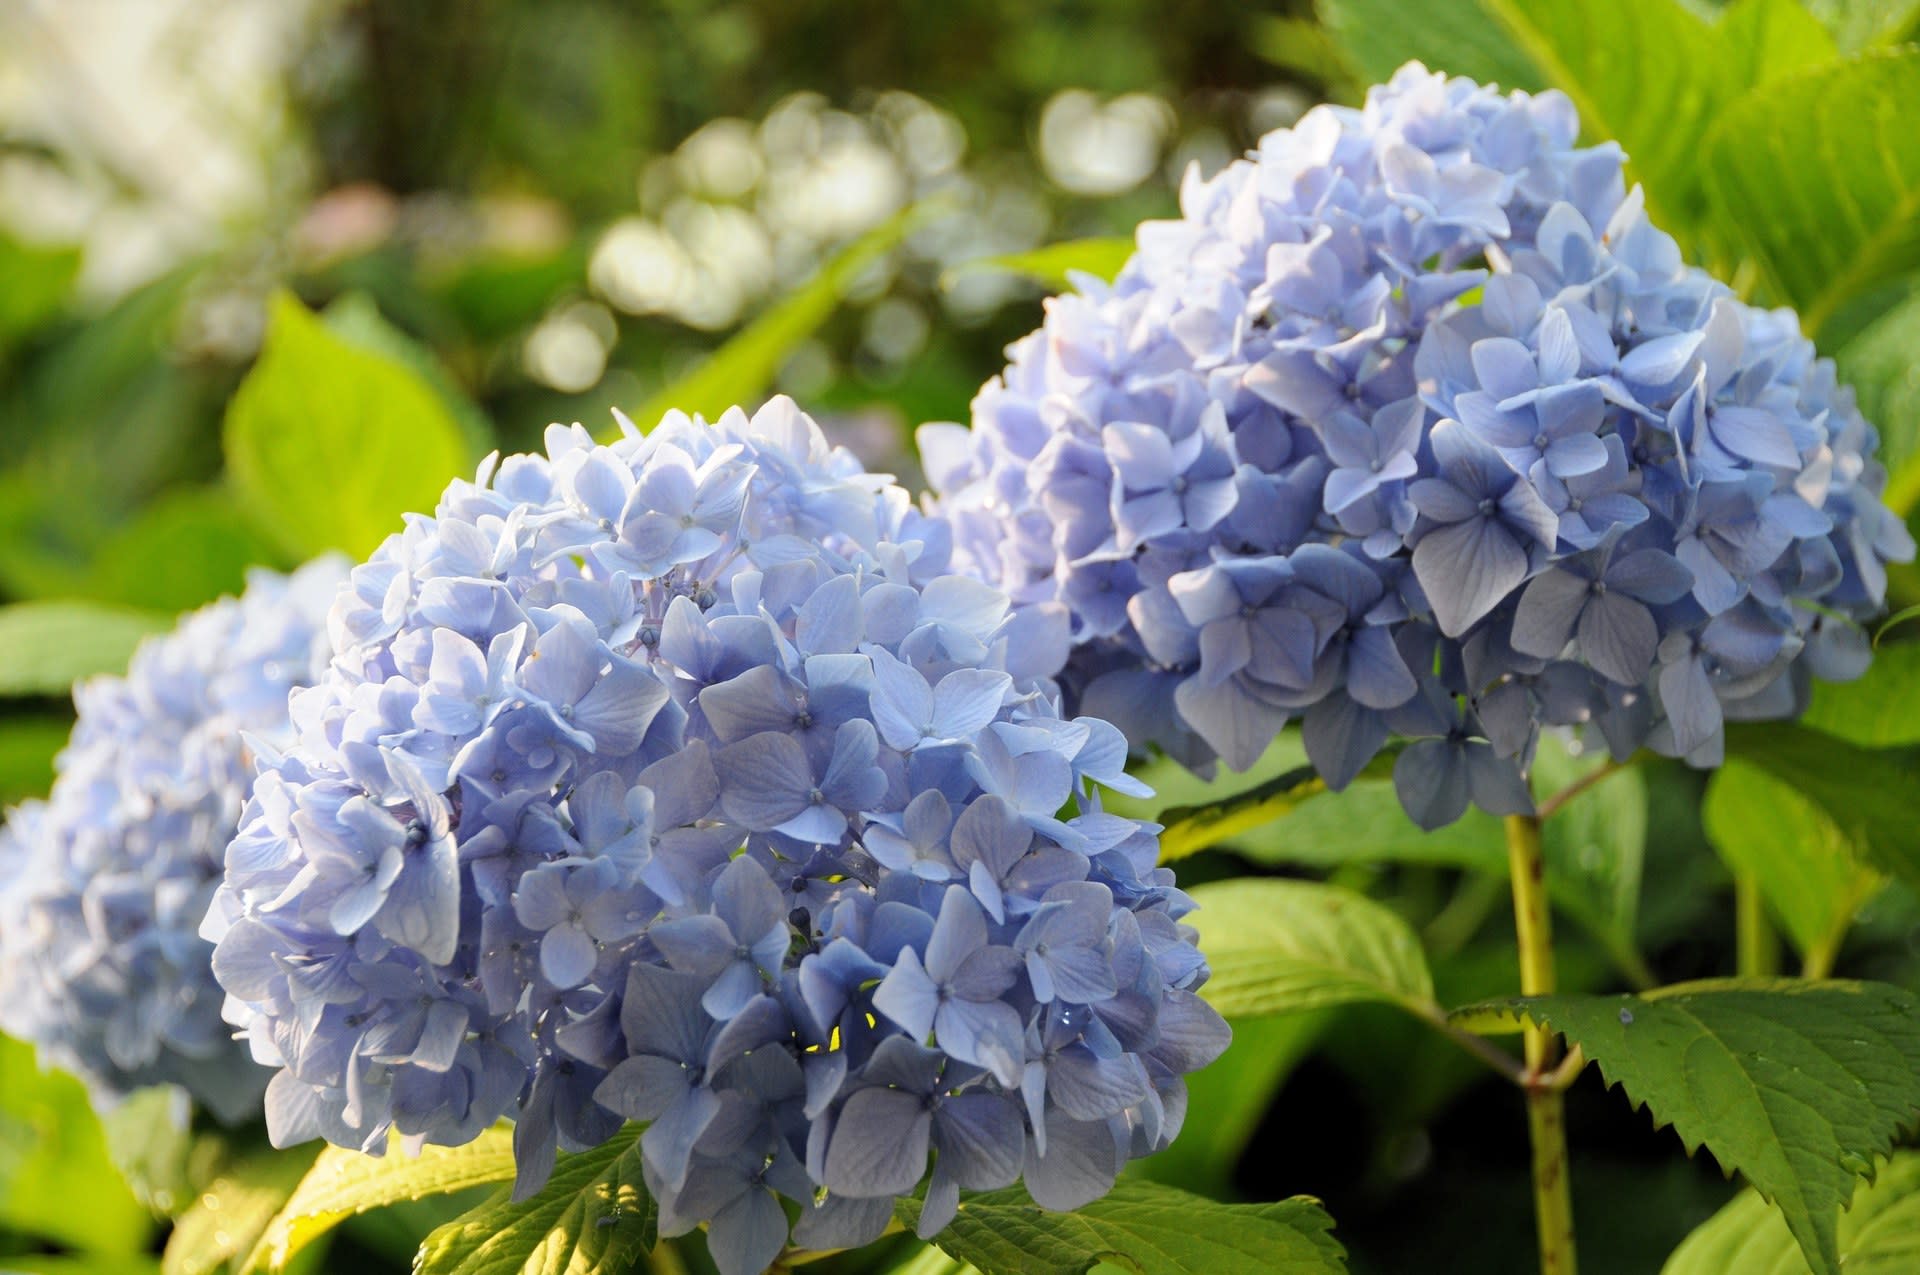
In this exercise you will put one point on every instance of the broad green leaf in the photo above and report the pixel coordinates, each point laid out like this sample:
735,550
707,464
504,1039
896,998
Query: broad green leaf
343,1183
45,647
1879,1234
1878,709
1879,363
1760,40
355,317
594,1217
37,284
739,372
28,745
1279,947
150,1140
1865,24
1597,842
1800,860
328,444
1054,265
1797,1086
69,1264
56,1181
1458,38
232,1211
1867,792
1141,1226
183,551
1819,175
1307,48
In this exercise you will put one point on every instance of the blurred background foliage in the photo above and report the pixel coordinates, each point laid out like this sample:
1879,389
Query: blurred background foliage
420,231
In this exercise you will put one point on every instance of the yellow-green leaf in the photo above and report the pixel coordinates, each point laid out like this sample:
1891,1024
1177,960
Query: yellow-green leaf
1879,1234
45,647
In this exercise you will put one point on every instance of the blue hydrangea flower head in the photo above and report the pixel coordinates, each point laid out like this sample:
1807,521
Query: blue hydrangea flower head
104,884
677,781
1414,425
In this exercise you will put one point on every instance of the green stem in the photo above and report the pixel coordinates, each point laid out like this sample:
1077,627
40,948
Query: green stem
1756,945
1546,1119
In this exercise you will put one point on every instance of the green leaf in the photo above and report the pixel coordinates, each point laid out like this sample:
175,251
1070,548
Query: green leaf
1279,947
1865,791
1054,265
232,1211
38,282
28,744
183,551
150,1140
1879,363
356,317
1458,38
1795,1085
1761,40
343,1183
56,1181
1309,49
1802,863
1819,175
328,444
1865,24
45,647
1880,708
1879,1234
594,1217
1142,1226
738,373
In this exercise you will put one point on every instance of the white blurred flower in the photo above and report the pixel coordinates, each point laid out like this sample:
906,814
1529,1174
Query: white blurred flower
1095,149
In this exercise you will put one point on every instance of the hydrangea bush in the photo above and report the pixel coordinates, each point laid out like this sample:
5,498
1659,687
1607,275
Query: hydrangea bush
673,780
103,886
1414,425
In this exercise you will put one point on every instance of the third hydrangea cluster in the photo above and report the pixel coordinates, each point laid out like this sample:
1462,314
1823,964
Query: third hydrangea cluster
1414,425
673,781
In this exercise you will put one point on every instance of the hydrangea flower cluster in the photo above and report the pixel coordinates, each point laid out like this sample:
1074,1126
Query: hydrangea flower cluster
1414,425
104,884
673,780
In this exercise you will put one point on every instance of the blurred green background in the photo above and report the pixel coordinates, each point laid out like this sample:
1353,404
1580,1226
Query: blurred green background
513,212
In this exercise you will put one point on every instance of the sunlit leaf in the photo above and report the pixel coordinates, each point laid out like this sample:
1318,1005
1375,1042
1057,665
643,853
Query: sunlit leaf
1819,177
231,1212
594,1217
343,1183
1279,947
1054,265
56,1181
1879,363
1879,1234
1149,1228
1880,708
47,646
328,444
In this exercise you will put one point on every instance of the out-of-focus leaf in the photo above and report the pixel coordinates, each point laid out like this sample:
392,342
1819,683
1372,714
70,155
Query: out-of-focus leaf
56,1181
231,1212
1880,708
356,317
1797,1086
1278,947
1866,792
501,293
35,283
1880,365
1761,40
1879,1234
738,373
47,646
1802,863
594,1217
28,743
329,444
1306,48
1865,24
1818,176
1191,829
1144,1225
1054,265
1458,38
183,551
150,1140
343,1183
